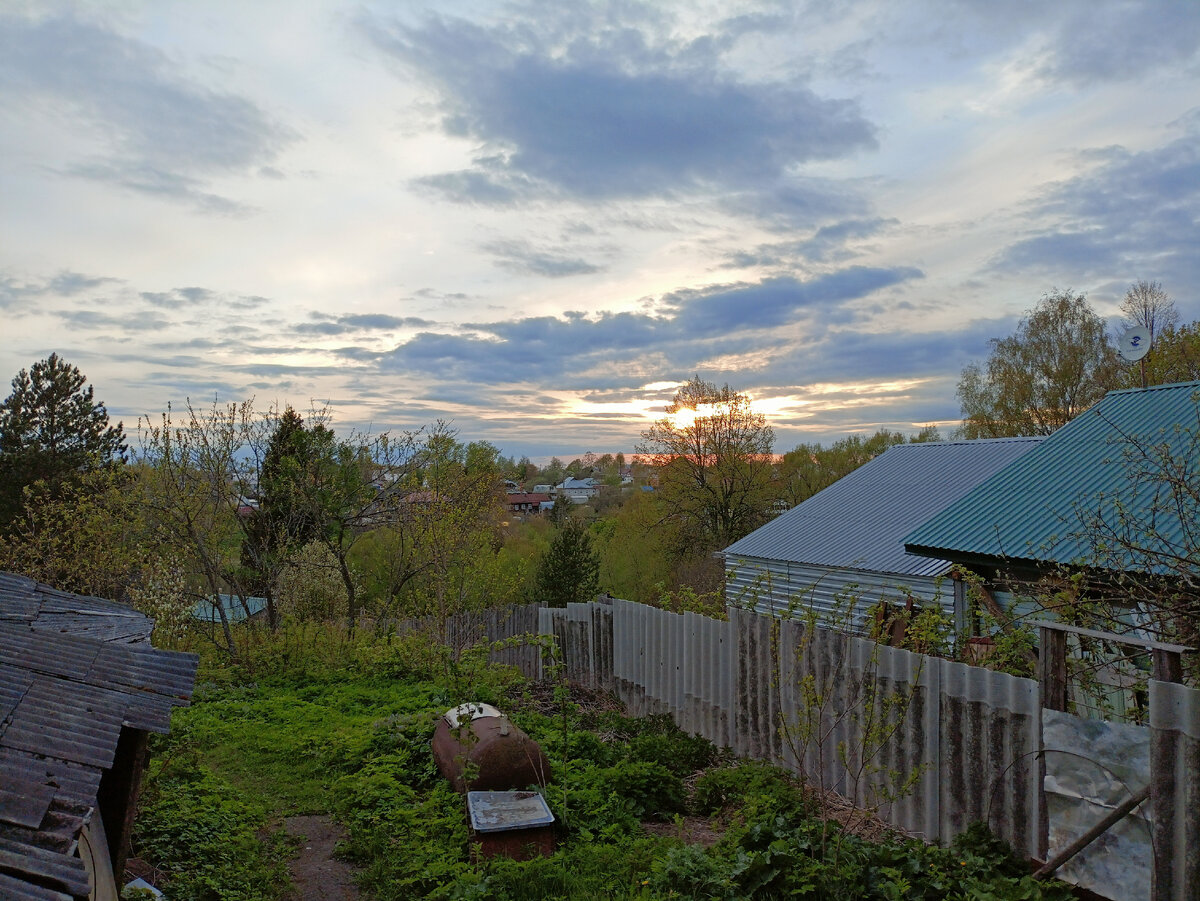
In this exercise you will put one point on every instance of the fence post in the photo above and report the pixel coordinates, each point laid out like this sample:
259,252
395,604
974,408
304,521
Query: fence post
1168,744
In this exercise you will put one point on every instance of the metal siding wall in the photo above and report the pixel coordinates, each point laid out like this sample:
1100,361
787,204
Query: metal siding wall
791,589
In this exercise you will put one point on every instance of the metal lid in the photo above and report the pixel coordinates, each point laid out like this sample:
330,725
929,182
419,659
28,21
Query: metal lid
503,811
472,710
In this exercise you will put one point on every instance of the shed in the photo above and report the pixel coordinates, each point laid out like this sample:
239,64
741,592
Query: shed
847,541
1027,515
81,688
235,612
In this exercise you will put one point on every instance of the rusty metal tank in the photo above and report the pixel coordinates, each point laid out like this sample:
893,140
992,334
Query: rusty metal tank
478,749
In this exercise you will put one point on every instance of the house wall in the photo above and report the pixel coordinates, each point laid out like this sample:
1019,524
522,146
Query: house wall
841,598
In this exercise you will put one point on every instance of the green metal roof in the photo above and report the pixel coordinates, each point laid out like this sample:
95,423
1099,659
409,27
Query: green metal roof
1034,508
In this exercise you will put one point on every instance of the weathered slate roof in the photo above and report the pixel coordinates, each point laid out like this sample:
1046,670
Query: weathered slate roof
73,671
1029,511
859,522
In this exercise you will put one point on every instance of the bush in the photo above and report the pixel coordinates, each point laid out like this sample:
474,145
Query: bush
204,834
757,789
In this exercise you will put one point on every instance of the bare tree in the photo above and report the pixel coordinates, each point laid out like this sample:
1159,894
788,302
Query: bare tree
1147,304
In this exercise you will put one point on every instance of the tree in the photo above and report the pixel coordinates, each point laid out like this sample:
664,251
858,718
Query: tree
713,455
281,523
52,429
810,468
1174,357
1147,304
191,481
570,570
1057,364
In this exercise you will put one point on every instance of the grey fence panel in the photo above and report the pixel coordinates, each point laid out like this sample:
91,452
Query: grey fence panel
990,740
936,745
491,625
1175,771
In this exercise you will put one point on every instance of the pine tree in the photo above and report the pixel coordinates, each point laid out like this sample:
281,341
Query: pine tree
284,521
570,570
52,429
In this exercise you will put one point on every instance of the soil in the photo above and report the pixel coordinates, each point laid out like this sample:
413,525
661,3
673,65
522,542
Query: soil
316,874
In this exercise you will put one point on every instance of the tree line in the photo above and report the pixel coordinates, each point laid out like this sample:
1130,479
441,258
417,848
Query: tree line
230,500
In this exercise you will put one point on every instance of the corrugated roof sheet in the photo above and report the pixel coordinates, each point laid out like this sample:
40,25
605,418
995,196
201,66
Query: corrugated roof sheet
49,610
1028,510
73,671
860,520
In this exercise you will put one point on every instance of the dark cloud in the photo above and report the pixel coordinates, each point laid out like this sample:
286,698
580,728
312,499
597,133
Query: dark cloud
720,320
165,135
612,114
827,244
15,293
774,302
1133,216
1121,41
68,284
500,189
360,322
525,259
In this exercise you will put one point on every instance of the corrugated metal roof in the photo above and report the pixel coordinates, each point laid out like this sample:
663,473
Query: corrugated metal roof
1029,510
49,610
73,671
860,520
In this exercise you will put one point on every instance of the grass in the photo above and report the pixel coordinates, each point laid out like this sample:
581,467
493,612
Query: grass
345,731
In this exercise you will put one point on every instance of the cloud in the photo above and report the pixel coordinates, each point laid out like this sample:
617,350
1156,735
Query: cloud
1121,41
827,244
95,319
523,258
611,114
16,293
691,325
359,322
164,135
1134,213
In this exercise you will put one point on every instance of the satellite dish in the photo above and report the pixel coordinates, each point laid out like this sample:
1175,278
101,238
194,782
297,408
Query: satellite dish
1134,344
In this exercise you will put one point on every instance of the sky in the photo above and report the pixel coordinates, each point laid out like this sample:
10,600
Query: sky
535,220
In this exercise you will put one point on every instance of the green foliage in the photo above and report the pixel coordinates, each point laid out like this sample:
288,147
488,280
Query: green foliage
408,843
754,788
1058,363
52,428
204,833
346,729
569,573
680,753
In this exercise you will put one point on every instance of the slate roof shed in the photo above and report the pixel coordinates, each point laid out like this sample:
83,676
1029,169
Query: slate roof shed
848,539
80,689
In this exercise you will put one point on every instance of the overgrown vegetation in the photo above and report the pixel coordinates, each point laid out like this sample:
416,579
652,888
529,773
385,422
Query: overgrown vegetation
311,720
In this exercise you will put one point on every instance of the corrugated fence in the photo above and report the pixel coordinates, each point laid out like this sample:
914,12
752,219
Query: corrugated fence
935,745
516,626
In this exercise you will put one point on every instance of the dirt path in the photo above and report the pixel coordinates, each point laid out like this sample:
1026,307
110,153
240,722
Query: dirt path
316,874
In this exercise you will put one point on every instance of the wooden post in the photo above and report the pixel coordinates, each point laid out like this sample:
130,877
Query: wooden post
1168,665
1052,669
1164,751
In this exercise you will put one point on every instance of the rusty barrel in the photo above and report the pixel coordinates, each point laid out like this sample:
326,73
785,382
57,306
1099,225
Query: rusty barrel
479,749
